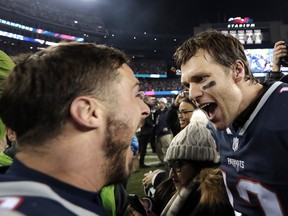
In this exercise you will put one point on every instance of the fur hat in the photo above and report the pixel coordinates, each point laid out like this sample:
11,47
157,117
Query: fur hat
194,142
162,100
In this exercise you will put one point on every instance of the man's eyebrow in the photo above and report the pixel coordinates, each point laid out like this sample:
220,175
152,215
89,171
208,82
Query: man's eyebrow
136,85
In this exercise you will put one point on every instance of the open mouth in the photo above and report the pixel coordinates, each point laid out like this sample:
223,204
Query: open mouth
209,109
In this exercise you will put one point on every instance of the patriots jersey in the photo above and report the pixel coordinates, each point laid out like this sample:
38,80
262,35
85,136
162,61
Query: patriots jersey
254,159
32,193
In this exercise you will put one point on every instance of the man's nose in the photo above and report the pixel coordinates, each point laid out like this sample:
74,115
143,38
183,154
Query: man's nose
145,110
195,92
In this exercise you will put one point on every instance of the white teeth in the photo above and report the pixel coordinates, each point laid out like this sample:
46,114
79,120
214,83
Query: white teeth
204,105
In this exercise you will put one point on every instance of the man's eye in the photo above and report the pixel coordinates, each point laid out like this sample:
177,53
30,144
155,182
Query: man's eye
200,79
140,95
186,86
185,89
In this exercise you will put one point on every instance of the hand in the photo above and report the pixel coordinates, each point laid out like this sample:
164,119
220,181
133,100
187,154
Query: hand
278,52
133,212
178,99
165,129
145,203
147,180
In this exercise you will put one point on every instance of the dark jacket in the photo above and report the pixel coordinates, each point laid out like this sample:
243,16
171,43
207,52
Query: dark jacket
207,196
161,122
148,126
173,120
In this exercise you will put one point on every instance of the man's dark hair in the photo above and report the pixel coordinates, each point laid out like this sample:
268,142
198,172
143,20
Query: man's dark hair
224,49
38,94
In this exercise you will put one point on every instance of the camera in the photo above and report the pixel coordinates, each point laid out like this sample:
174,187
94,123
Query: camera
284,60
135,203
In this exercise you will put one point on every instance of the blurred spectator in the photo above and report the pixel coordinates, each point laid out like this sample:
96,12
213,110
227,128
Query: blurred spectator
149,66
279,52
179,113
162,130
195,185
6,65
160,84
151,179
145,134
58,14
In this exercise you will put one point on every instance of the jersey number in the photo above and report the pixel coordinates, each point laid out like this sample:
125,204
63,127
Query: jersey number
10,202
268,200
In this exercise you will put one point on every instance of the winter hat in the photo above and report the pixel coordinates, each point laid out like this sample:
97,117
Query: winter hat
163,100
194,142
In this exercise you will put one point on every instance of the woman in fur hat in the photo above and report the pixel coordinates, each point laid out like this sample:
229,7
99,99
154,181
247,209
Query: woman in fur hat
195,184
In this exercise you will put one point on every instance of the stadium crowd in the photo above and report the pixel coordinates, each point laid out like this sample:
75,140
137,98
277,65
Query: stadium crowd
160,84
149,66
59,94
57,15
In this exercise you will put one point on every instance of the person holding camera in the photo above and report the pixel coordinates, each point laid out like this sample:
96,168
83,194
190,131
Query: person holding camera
279,58
172,113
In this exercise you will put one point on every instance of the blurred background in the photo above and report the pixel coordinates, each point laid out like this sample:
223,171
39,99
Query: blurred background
149,31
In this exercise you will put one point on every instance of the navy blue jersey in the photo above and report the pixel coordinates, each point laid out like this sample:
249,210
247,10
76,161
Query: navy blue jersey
254,158
39,204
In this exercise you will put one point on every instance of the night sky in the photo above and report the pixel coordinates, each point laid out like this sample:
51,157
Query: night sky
179,17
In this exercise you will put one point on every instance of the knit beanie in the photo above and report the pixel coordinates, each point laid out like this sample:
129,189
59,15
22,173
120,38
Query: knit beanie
195,143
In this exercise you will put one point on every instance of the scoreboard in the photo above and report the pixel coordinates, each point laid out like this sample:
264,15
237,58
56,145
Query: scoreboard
250,33
246,30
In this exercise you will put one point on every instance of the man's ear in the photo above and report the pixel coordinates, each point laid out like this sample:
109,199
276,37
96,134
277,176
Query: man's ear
11,134
85,112
239,71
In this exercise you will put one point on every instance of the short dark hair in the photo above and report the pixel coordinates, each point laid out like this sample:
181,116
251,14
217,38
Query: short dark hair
186,100
224,49
38,94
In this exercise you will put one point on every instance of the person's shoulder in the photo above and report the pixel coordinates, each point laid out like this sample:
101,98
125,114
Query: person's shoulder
284,78
36,198
32,205
282,89
7,212
3,169
275,88
5,160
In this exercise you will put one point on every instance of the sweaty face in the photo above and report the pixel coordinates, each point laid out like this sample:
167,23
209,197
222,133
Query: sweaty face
213,88
126,114
185,112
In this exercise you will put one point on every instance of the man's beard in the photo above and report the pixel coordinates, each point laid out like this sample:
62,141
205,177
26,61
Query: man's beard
117,143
